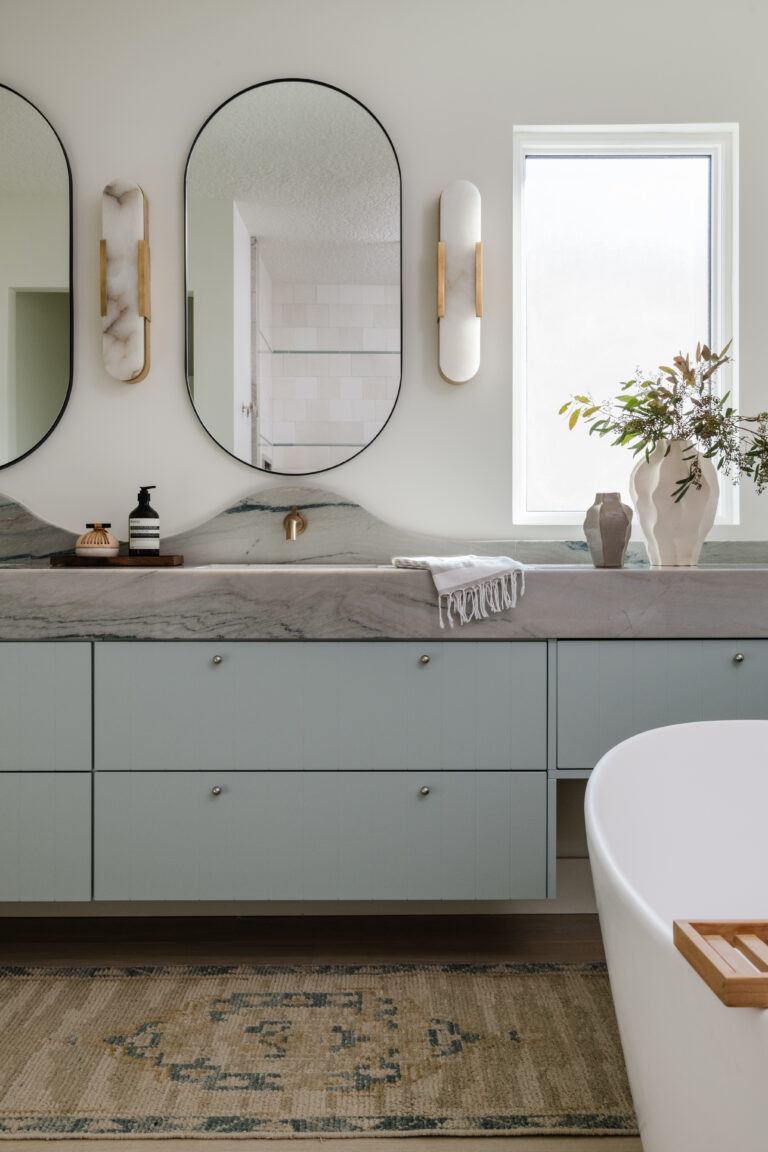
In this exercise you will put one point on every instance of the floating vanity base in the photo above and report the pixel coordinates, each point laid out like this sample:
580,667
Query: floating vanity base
286,720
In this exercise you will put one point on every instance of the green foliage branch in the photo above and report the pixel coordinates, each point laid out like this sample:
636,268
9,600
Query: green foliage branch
677,403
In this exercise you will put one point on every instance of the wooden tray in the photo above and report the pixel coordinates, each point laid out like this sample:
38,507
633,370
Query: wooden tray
65,560
730,955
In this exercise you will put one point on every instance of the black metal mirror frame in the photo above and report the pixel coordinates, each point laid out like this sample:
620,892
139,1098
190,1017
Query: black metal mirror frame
242,92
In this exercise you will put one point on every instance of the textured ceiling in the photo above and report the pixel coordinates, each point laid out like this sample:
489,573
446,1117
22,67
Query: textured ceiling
31,158
314,177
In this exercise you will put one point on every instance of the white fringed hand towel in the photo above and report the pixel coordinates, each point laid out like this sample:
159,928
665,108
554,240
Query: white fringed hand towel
470,586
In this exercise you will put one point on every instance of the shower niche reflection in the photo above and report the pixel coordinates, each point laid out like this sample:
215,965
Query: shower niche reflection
293,276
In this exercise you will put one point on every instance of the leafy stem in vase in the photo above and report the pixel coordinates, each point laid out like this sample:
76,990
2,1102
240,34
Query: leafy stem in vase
677,403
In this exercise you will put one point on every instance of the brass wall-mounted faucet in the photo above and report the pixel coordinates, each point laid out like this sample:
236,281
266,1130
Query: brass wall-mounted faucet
294,523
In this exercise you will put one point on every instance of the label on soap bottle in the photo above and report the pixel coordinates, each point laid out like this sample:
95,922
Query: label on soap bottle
143,535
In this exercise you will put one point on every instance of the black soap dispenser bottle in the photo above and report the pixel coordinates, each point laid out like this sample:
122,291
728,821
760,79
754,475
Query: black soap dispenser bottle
144,527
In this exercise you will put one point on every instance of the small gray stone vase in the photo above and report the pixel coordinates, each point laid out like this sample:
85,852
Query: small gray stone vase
607,526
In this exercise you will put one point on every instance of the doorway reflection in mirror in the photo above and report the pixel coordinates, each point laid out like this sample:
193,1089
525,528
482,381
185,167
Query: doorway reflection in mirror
35,277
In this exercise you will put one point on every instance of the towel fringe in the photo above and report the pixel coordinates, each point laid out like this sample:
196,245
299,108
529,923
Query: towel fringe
476,600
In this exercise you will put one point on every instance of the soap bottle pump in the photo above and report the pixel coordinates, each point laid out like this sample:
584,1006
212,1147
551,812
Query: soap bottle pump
144,527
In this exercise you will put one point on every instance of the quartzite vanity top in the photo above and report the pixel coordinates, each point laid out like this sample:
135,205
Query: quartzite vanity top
374,603
243,581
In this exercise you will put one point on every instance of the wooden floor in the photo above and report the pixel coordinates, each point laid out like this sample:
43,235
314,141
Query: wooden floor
309,940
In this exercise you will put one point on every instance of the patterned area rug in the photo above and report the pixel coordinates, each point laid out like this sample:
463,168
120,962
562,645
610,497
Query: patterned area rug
376,1050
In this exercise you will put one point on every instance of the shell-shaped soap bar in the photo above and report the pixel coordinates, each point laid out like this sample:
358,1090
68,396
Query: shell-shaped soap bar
97,542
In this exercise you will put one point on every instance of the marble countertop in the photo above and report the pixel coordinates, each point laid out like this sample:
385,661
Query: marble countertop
375,603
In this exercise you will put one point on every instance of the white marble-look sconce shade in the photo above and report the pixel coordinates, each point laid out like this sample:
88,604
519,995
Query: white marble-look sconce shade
459,282
125,307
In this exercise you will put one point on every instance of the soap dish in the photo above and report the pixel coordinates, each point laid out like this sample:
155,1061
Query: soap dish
97,542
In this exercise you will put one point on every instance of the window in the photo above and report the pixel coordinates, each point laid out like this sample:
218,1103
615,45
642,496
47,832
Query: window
624,255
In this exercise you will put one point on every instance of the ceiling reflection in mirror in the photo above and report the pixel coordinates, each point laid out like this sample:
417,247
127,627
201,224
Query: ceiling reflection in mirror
293,276
35,277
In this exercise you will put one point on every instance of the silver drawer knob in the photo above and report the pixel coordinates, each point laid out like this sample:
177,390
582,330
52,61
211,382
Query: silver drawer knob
216,660
216,790
424,660
738,658
424,791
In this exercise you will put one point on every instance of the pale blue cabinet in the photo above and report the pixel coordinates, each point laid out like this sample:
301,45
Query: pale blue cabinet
45,836
376,706
45,707
608,690
45,771
320,835
324,771
320,771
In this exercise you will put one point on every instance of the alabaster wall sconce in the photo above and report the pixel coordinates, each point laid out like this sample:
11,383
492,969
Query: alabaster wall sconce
459,282
125,297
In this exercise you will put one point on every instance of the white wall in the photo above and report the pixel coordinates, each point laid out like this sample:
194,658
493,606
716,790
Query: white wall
448,79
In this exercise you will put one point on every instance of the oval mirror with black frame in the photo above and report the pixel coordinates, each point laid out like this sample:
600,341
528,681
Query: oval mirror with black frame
35,277
293,282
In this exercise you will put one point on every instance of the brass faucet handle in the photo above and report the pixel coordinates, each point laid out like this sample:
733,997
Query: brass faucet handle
294,523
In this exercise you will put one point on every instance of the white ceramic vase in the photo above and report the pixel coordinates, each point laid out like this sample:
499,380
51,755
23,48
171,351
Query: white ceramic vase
674,532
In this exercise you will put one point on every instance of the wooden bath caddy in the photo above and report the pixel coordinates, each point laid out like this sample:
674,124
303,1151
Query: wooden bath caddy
730,955
66,560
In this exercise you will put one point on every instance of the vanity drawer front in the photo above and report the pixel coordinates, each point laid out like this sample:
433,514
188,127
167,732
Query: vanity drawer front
45,707
321,706
45,836
320,836
608,690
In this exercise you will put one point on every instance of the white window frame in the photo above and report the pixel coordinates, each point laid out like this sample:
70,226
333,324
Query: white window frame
717,141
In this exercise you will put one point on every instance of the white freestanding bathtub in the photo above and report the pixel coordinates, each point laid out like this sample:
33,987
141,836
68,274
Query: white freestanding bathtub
677,827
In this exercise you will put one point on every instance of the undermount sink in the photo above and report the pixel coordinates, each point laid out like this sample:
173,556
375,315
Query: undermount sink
246,567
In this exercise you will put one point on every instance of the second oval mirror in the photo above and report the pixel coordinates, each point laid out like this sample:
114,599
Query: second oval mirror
293,276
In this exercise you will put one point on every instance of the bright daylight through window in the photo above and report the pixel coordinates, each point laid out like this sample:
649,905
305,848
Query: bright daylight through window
623,257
